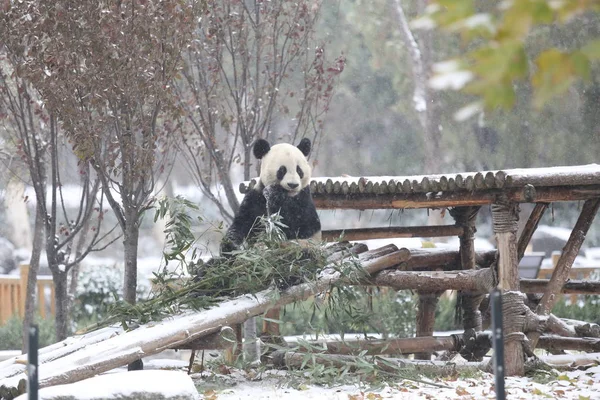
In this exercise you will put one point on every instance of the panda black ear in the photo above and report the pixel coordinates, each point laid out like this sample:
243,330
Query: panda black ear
261,147
305,146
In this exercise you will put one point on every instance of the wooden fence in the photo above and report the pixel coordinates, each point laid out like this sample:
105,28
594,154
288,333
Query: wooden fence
12,295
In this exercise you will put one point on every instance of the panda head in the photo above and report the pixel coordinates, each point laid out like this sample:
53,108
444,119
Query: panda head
284,164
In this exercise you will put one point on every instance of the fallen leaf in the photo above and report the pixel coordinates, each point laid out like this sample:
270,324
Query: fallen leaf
210,395
461,391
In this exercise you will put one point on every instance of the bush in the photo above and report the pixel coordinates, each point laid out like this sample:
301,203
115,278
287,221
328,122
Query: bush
352,310
586,308
98,289
445,315
11,333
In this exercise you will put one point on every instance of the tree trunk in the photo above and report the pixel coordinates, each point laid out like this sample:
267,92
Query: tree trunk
34,267
62,302
18,217
130,243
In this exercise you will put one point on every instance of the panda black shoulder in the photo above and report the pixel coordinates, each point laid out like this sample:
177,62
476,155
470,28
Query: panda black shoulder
253,206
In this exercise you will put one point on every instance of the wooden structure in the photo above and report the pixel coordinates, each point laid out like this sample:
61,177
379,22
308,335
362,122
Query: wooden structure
427,271
463,194
12,295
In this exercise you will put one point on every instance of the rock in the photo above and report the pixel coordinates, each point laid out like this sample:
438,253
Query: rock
8,261
134,385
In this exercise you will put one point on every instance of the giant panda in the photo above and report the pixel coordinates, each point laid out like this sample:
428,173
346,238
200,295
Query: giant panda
283,187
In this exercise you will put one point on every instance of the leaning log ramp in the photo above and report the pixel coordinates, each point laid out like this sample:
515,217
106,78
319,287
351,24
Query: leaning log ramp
528,322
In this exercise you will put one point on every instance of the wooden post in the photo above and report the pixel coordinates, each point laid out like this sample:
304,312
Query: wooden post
534,219
469,302
563,267
505,216
426,318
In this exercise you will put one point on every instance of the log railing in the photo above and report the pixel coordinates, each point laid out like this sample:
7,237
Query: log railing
12,295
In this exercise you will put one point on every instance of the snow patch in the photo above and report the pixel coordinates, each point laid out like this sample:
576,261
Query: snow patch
130,385
468,111
451,80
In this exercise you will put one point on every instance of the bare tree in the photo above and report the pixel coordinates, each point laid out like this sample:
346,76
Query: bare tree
105,71
35,135
425,102
253,69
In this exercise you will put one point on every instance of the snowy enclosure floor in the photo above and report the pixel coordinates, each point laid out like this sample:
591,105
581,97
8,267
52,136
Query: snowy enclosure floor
578,385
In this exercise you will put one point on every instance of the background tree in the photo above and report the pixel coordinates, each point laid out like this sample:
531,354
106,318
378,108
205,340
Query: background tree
35,135
105,70
254,70
490,70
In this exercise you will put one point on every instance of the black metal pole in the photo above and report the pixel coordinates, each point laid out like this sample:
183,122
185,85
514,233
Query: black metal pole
32,364
498,342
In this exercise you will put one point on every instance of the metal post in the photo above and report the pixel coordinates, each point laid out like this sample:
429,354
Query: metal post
498,342
32,364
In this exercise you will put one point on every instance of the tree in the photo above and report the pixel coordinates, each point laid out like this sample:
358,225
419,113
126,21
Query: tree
252,71
105,71
35,135
501,38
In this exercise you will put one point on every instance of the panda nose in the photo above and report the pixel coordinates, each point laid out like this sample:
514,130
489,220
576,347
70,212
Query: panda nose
293,185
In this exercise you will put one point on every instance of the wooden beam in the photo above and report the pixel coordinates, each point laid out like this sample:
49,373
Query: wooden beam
426,319
476,281
441,343
534,219
570,287
560,275
392,232
528,194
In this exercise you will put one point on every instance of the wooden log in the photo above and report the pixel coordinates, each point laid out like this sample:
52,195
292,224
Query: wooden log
439,343
426,319
392,232
490,180
557,343
476,281
225,338
479,181
534,219
297,360
390,346
433,259
147,340
453,199
570,287
554,176
560,275
505,217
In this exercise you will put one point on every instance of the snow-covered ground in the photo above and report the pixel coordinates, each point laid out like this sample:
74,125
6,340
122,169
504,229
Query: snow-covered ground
232,384
577,385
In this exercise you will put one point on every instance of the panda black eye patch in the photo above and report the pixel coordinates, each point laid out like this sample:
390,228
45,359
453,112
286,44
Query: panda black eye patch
299,171
281,172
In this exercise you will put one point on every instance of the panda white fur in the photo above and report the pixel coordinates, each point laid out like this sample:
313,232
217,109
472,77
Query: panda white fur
283,187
